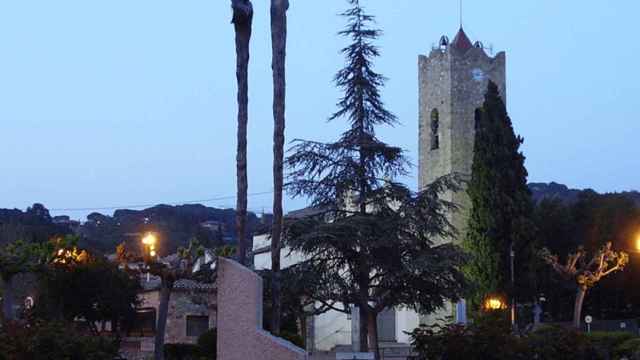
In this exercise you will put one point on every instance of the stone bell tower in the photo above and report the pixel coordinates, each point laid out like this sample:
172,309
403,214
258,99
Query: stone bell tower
453,80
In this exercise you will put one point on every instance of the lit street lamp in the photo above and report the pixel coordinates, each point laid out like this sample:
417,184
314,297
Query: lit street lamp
494,303
149,242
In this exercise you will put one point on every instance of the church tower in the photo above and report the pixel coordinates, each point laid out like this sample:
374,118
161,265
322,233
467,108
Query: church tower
453,80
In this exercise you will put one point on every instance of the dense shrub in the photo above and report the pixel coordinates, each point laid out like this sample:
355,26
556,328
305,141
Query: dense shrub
54,340
557,342
294,338
182,352
629,349
604,343
489,338
207,343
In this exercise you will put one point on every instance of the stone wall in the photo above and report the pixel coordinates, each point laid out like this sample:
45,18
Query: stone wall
183,303
240,332
453,82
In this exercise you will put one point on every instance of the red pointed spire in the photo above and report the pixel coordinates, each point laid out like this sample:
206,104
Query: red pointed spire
461,41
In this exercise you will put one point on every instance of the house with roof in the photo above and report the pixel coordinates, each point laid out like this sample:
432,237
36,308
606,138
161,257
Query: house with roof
192,312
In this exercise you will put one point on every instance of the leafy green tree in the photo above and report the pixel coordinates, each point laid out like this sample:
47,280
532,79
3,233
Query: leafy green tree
501,207
370,242
94,289
21,257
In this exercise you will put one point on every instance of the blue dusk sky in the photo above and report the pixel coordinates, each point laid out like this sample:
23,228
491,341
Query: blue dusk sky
117,103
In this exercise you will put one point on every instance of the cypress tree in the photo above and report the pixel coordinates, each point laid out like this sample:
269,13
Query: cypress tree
501,213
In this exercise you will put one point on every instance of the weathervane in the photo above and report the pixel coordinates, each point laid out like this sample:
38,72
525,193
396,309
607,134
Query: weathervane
461,14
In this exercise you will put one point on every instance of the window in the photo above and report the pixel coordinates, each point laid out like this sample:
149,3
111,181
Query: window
197,325
435,125
144,323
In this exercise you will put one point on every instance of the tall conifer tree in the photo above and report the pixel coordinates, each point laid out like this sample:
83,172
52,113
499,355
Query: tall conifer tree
369,244
501,213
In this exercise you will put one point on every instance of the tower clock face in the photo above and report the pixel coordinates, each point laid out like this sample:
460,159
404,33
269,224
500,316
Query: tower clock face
478,74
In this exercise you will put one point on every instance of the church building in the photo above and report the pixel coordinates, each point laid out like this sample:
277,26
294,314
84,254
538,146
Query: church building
453,79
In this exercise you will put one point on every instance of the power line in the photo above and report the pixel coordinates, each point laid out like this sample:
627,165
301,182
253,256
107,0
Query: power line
140,206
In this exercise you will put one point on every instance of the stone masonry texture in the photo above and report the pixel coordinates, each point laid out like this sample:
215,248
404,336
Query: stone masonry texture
240,332
453,82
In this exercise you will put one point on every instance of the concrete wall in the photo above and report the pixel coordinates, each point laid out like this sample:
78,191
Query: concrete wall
240,332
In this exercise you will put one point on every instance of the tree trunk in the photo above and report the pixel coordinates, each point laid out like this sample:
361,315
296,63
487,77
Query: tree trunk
242,20
374,346
7,300
364,327
577,309
279,45
165,295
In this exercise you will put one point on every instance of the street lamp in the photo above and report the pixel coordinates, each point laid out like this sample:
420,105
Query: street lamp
149,242
494,303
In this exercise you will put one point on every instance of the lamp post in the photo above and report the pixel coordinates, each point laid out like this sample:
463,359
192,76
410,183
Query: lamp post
149,242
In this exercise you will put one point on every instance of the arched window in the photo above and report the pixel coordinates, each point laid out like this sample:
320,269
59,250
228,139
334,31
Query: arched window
435,125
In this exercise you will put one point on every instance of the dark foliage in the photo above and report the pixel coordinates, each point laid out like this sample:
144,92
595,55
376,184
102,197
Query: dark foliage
95,290
591,221
501,205
208,343
371,242
489,338
182,352
35,225
54,340
178,225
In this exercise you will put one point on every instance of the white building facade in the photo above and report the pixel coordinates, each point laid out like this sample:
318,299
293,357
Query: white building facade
335,329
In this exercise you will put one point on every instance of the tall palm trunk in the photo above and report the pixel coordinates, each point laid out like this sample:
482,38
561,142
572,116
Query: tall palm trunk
242,21
163,310
278,48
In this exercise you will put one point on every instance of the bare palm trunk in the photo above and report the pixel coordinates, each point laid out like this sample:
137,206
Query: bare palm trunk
577,309
279,46
163,309
7,299
242,21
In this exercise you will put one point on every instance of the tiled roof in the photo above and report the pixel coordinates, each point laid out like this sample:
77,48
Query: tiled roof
461,41
182,284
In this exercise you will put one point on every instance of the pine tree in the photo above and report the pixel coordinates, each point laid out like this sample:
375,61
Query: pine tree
369,242
501,213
